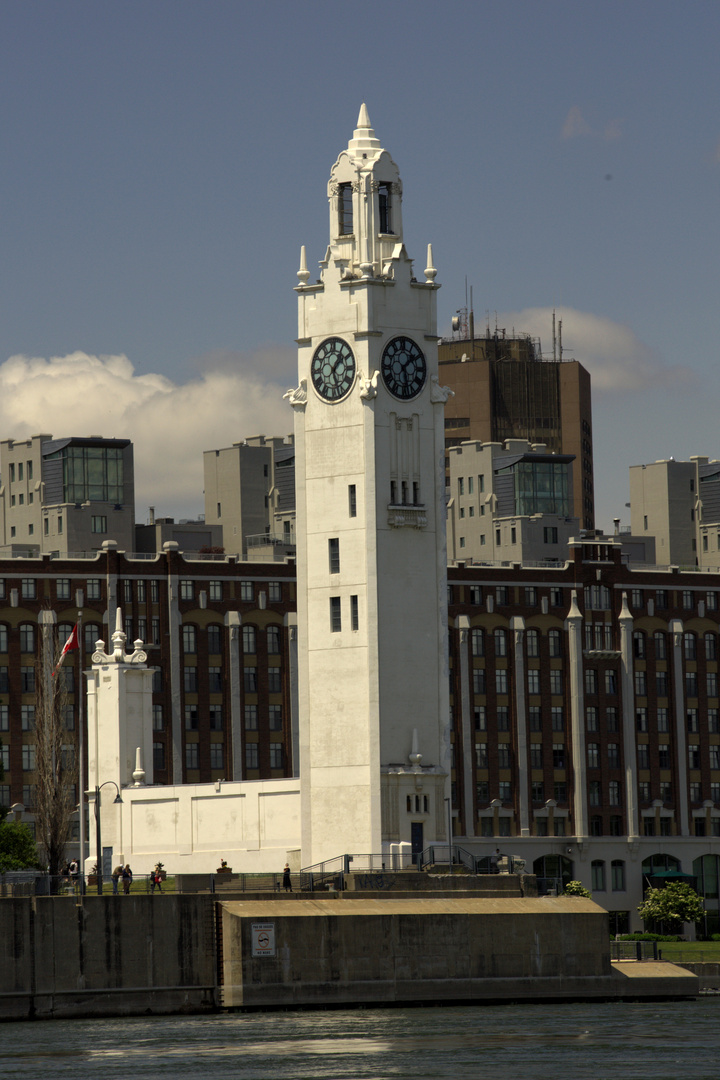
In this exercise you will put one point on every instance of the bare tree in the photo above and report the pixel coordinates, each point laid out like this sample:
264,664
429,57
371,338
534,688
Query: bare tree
55,752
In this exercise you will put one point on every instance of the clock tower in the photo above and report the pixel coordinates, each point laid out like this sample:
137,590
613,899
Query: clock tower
370,489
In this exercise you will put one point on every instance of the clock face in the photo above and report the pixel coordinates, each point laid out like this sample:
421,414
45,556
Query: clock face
404,370
333,369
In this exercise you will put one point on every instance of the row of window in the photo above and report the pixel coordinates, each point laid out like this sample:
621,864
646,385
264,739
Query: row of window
215,590
143,588
500,641
535,718
501,594
598,636
92,632
689,599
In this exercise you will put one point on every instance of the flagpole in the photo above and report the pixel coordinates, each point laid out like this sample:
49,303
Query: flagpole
79,597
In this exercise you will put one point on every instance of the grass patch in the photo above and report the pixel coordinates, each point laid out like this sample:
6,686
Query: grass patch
690,951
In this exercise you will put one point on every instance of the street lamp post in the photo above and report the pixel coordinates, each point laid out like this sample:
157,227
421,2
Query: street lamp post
98,837
449,827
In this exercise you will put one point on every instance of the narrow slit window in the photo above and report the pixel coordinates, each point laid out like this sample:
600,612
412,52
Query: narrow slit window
334,555
345,210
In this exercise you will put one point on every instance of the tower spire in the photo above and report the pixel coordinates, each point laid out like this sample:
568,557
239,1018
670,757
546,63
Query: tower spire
364,138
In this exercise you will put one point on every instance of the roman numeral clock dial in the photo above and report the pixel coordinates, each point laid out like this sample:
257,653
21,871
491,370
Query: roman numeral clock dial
333,369
403,368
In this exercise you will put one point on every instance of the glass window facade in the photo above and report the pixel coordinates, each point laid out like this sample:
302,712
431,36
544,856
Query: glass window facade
92,473
541,487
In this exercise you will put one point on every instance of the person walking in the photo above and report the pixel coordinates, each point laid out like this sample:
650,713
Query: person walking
287,883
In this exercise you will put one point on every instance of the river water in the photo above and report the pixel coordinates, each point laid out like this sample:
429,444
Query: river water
502,1042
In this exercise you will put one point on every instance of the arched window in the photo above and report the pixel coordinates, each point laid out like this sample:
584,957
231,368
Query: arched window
500,643
706,869
659,863
555,642
189,633
477,642
249,639
597,872
27,638
596,825
660,645
533,643
4,638
639,645
553,871
690,644
711,647
617,870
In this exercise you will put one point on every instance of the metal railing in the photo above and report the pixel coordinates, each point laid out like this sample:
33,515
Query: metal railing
635,950
550,886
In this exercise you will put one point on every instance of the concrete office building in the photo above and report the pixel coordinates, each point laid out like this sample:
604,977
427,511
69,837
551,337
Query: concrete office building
678,503
505,389
509,503
250,493
66,495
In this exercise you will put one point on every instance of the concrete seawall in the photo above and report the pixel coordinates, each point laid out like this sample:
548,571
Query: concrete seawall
339,951
136,955
112,956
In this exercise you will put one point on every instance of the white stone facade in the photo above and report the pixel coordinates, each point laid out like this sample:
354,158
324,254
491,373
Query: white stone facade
372,637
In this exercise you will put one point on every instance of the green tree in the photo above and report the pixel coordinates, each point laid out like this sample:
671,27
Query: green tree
18,850
674,905
576,888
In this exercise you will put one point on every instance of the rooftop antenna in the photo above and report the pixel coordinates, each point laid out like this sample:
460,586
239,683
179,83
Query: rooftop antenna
554,338
560,348
472,327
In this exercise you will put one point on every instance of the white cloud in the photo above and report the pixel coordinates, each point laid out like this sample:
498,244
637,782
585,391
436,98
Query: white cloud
170,424
613,354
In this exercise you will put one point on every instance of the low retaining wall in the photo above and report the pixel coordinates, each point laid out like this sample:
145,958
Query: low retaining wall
334,952
707,972
109,956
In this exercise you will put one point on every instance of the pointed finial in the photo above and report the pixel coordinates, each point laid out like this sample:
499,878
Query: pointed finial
364,141
118,619
430,271
303,273
574,612
363,118
139,771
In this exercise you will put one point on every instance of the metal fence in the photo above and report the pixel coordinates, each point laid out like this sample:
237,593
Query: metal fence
635,950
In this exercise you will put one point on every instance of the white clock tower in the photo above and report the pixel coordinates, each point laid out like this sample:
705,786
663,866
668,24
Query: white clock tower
372,595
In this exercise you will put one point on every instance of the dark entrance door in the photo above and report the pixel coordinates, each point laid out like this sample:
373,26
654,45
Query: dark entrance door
416,839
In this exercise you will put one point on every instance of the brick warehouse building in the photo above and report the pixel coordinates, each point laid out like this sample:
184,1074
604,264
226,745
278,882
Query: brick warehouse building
584,697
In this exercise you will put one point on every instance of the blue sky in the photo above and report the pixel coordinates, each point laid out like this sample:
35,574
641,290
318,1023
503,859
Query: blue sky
162,163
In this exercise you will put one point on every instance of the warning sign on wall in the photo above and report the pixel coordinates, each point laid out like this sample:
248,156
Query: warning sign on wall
263,938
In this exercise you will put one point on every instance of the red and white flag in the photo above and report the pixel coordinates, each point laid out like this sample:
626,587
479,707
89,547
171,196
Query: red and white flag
70,644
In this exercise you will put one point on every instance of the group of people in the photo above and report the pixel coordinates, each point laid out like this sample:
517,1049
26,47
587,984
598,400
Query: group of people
124,874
